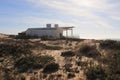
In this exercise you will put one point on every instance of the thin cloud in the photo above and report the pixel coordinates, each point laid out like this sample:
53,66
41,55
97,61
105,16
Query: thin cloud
36,20
81,8
31,20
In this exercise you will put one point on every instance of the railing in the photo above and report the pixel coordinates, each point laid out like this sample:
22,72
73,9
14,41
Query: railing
73,37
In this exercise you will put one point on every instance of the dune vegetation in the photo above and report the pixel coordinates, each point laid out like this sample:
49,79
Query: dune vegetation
66,59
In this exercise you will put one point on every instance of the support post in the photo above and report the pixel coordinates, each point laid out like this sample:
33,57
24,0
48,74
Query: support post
66,33
71,32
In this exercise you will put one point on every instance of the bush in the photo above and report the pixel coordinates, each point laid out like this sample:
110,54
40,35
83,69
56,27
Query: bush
78,63
113,69
45,59
71,75
59,75
85,48
22,78
113,77
68,54
45,76
44,46
44,37
110,44
51,67
14,50
24,36
89,51
52,47
82,64
111,59
26,64
32,62
95,73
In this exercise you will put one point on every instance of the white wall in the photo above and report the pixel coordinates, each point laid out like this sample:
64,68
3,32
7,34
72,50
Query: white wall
55,33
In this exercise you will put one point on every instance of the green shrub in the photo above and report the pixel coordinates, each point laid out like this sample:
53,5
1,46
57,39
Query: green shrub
48,47
14,50
112,58
113,77
32,62
52,47
89,51
86,48
51,77
44,37
45,76
22,78
71,75
110,44
26,64
51,67
59,75
24,36
113,69
68,54
82,64
78,63
45,59
95,73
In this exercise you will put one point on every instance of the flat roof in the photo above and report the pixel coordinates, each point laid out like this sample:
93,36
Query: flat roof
42,28
52,28
67,27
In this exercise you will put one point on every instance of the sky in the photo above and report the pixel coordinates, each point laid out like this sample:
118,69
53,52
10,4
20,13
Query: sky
93,19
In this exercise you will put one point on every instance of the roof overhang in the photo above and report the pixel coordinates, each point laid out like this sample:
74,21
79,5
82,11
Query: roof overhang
66,28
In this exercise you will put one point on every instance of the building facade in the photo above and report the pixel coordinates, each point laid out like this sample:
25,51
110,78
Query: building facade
50,32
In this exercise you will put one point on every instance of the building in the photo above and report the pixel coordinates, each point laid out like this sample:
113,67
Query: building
50,32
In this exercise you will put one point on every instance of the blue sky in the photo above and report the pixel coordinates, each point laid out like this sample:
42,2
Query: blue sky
95,19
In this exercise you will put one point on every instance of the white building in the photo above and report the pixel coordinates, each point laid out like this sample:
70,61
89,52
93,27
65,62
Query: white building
51,32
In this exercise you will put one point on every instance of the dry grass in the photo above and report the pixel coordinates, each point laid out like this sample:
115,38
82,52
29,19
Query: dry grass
78,58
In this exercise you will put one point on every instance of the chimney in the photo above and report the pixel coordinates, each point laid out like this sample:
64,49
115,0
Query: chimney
48,25
56,25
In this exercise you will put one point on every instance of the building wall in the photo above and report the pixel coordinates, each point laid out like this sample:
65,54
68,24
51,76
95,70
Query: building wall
53,33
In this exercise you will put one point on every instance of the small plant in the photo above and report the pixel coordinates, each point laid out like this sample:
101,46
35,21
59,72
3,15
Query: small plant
78,63
44,37
85,49
95,73
51,77
45,76
71,75
70,44
68,54
59,75
27,63
52,47
51,67
32,62
48,47
15,50
89,51
110,44
83,64
113,63
45,59
22,78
